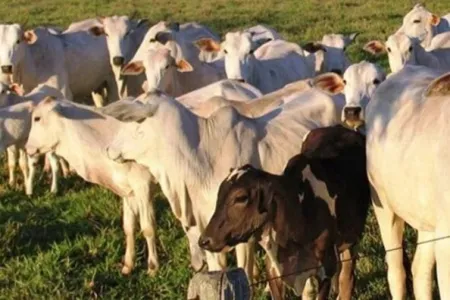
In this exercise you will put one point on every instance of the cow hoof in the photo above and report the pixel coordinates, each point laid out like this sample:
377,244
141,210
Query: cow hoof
126,270
152,272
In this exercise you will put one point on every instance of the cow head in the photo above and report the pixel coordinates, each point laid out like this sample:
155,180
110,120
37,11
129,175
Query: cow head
242,209
159,67
119,31
13,41
358,85
420,23
238,48
400,48
332,58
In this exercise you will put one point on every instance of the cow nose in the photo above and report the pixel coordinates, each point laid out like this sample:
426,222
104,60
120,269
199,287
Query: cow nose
6,69
352,112
205,242
240,80
118,61
337,71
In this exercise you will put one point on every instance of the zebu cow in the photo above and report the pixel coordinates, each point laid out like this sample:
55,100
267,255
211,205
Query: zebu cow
318,203
406,125
402,50
78,60
420,23
194,154
328,55
123,37
79,134
268,67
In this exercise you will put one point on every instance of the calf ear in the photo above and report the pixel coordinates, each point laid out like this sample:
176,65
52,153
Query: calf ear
351,37
374,47
313,47
439,87
133,68
30,37
17,89
435,20
207,45
97,30
184,66
330,83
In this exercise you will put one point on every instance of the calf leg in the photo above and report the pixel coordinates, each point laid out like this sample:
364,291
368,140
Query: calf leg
245,258
64,167
442,249
346,274
129,226
216,261
422,267
391,229
12,152
32,163
277,288
98,99
23,163
54,164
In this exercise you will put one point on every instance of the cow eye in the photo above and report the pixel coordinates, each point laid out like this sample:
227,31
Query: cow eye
241,199
225,51
376,81
18,42
416,21
389,49
37,119
152,40
251,52
345,81
166,67
410,48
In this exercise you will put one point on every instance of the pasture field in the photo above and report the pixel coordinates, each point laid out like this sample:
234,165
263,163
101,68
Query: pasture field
70,246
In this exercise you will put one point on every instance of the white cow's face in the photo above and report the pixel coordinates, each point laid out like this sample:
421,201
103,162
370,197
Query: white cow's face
46,127
335,59
358,85
160,68
238,49
419,23
400,50
129,143
12,46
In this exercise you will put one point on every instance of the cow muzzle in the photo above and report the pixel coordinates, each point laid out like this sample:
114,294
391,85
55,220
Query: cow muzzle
352,116
118,61
7,69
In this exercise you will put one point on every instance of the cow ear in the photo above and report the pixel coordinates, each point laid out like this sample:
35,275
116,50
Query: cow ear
439,87
351,37
435,20
30,37
97,30
133,68
17,89
184,66
207,45
313,47
330,83
374,47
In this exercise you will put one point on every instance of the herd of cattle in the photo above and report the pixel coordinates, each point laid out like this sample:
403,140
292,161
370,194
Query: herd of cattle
252,139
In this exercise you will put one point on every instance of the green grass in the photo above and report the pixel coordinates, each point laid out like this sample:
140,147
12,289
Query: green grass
70,246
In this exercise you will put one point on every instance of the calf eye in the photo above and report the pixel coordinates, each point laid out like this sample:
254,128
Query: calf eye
410,48
152,40
376,81
225,51
18,42
37,119
389,49
166,67
345,81
251,51
241,199
416,21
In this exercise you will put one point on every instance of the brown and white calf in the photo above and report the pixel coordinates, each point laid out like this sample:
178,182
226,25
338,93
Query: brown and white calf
305,218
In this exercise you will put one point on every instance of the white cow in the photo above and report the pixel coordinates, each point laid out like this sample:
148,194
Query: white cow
402,50
32,57
407,122
328,55
79,134
194,154
15,126
358,85
268,67
123,37
420,23
165,72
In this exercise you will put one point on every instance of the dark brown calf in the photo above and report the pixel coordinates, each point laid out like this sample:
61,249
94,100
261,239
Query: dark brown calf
303,218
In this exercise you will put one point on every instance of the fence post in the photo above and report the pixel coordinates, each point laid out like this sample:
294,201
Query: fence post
220,285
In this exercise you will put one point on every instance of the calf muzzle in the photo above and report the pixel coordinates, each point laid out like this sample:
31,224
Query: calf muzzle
118,61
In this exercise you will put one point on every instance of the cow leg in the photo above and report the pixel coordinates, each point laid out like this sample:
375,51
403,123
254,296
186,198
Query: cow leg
54,164
216,261
324,289
442,251
198,257
12,152
32,163
277,288
422,267
148,225
64,167
98,99
23,164
310,289
391,229
346,274
245,258
129,226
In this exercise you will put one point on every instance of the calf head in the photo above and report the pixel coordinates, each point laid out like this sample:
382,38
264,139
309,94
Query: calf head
420,23
358,85
332,58
13,41
119,31
159,67
243,208
400,48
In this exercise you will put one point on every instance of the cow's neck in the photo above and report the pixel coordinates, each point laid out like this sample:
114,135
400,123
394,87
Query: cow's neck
425,58
25,73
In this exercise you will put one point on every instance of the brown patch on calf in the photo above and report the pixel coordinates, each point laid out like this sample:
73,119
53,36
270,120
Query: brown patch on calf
439,87
329,82
208,45
97,30
374,47
30,37
435,20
